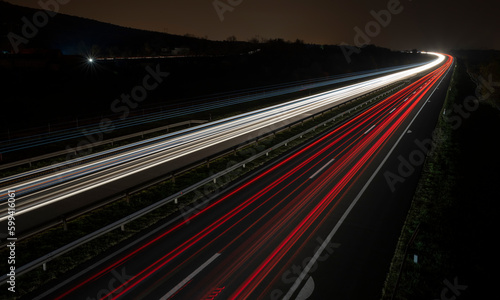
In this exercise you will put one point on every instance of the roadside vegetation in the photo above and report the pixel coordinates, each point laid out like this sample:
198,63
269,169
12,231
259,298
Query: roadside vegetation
453,220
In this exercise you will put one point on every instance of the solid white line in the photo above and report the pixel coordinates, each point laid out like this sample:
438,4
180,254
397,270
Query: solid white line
191,276
369,129
314,175
313,260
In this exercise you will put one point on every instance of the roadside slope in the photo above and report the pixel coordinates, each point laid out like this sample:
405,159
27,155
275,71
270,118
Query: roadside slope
451,222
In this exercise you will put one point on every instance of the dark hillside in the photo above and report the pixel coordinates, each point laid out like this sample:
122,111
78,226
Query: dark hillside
51,81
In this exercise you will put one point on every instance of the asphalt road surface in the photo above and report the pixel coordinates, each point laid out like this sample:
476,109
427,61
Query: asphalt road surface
42,197
319,223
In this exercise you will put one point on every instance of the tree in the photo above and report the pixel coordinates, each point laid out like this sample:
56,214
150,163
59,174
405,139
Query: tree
231,38
255,40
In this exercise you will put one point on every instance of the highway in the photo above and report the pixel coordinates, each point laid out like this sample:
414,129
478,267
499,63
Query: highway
271,235
39,193
192,106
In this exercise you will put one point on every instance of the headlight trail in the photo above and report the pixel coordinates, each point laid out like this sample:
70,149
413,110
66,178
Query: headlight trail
235,98
273,214
35,193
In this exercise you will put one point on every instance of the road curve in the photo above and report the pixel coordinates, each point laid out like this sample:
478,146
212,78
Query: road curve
266,237
40,199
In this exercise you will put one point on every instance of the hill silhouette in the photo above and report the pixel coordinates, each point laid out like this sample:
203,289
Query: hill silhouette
54,82
75,35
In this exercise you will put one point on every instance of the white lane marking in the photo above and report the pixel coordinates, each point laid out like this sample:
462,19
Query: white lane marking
307,290
392,110
369,129
191,276
320,250
121,250
317,172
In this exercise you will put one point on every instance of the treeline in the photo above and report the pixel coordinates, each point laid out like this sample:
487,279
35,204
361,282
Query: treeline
74,35
44,88
56,88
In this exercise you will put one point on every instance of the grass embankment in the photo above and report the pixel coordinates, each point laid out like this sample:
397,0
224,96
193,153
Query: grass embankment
452,222
38,245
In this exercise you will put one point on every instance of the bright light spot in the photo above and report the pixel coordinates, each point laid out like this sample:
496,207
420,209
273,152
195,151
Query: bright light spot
91,60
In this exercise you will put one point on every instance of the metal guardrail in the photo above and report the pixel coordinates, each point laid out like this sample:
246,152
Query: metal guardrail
42,261
100,143
65,218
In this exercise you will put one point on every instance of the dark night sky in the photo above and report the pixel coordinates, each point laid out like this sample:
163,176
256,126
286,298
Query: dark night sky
423,24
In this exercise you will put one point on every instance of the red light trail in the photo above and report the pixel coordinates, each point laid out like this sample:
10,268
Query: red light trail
264,232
